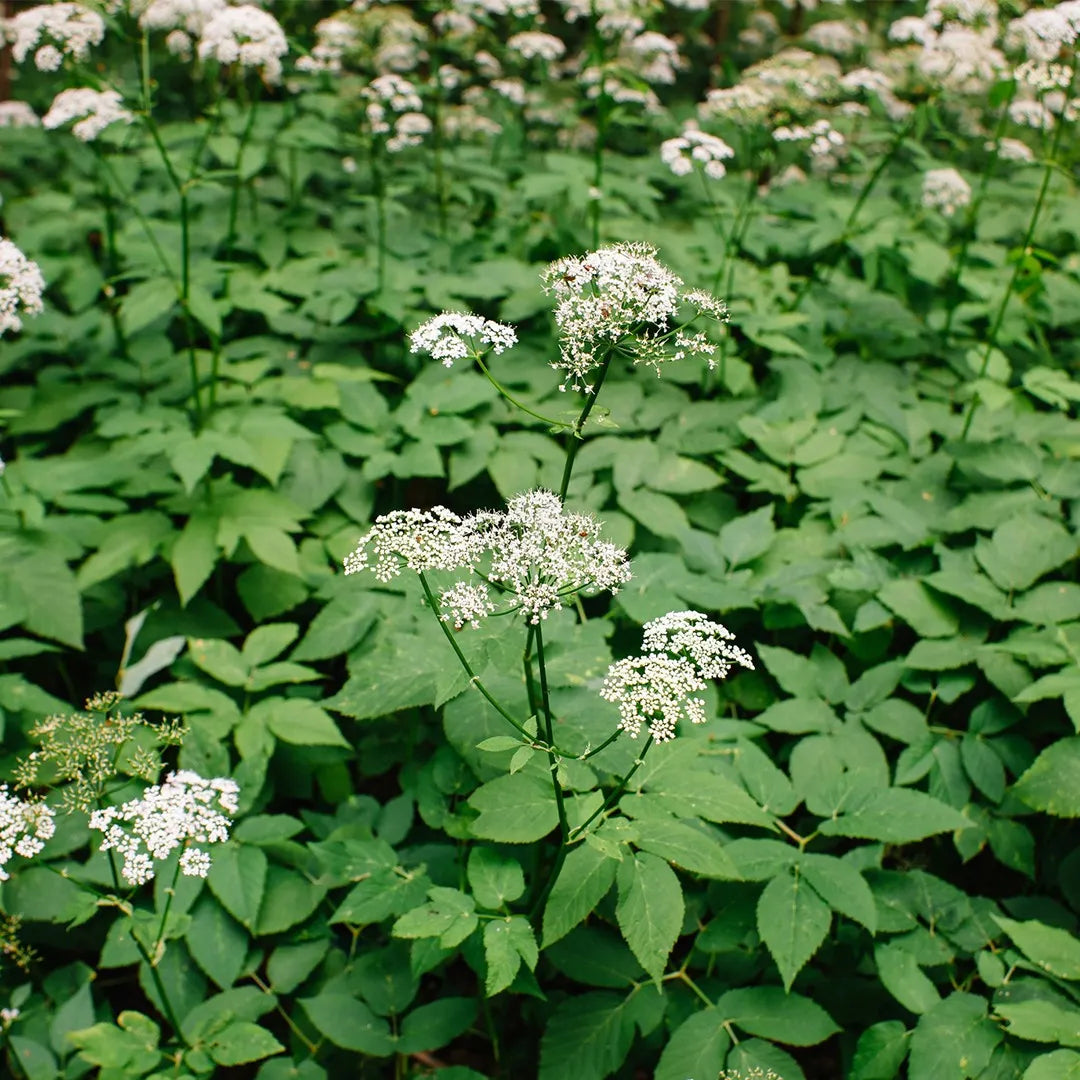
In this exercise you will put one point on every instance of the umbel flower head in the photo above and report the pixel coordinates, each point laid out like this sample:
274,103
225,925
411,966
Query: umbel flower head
531,557
945,190
454,336
183,811
21,286
94,111
681,651
248,36
54,31
24,828
620,297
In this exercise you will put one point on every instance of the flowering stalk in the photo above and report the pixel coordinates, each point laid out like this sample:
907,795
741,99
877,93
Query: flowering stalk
579,830
999,316
574,438
433,604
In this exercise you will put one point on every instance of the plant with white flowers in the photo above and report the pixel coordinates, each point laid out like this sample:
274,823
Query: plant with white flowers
21,286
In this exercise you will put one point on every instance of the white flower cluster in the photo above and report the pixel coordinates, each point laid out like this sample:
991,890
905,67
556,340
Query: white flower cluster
16,114
825,142
390,95
945,190
94,110
696,147
184,808
837,36
21,286
690,635
534,554
681,651
54,31
1041,33
453,336
187,16
535,45
652,57
1013,150
617,296
24,827
334,37
248,36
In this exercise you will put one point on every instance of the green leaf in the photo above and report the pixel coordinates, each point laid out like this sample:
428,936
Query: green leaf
900,974
131,1043
880,1052
696,1048
710,796
895,816
1022,549
587,1037
298,721
684,846
449,916
798,716
773,1013
217,943
954,1040
842,887
495,879
1052,784
585,878
927,615
266,642
748,537
290,899
1054,950
1049,603
649,909
1058,1065
350,1024
660,514
514,809
242,1042
437,1024
237,878
507,942
792,921
194,555
1041,1021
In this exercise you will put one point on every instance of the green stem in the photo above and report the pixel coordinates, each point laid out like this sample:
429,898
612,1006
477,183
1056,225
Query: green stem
234,201
615,795
969,226
848,230
379,184
159,940
603,746
574,437
513,400
433,603
549,732
999,316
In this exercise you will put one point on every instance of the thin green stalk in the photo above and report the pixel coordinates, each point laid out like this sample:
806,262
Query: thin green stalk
433,603
999,316
603,746
234,200
549,734
603,109
848,230
738,232
615,795
574,437
513,400
379,183
159,940
972,216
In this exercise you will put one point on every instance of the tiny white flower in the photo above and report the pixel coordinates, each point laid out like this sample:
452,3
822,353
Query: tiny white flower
655,691
696,147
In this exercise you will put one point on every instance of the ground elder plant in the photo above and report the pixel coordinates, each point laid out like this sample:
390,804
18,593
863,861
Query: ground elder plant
699,698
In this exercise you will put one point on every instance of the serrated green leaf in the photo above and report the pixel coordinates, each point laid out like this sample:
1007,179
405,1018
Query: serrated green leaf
842,887
900,974
1052,784
241,1042
587,1037
217,943
748,537
919,608
1041,1021
495,879
1054,950
649,909
684,846
895,816
350,1024
953,1040
880,1052
584,880
773,1013
697,1047
431,1026
1022,549
1058,1065
792,921
515,809
237,878
507,942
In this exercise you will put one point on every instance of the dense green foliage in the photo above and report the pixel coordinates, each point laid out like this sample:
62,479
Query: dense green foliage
863,866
